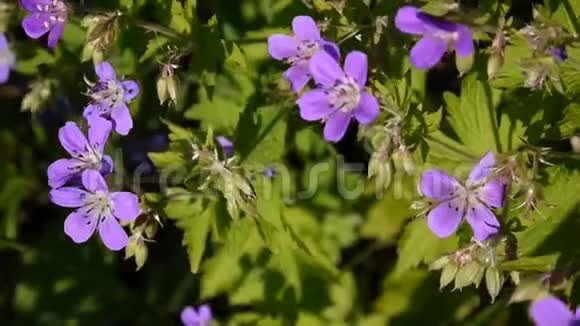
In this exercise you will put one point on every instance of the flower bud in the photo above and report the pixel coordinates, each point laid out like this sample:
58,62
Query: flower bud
448,274
463,64
467,274
494,281
440,263
168,84
102,32
138,249
494,65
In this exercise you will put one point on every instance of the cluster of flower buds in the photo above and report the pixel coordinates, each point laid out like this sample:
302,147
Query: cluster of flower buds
102,30
168,82
469,266
143,230
223,175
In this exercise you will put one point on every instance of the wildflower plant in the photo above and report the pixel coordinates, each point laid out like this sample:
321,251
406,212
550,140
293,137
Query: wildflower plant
214,145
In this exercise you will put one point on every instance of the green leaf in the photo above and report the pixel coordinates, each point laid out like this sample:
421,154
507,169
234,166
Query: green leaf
555,228
222,111
180,20
167,159
153,47
195,232
386,218
263,131
540,264
473,116
419,245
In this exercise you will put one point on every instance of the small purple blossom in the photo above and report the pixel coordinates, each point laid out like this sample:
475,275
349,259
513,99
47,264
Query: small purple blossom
559,53
45,16
341,94
550,311
472,200
85,154
269,172
7,59
201,317
110,97
298,49
96,208
226,145
438,34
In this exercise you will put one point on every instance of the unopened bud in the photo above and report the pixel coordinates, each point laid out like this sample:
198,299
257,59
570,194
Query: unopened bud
467,274
137,249
102,32
440,263
494,65
168,84
463,63
493,281
447,274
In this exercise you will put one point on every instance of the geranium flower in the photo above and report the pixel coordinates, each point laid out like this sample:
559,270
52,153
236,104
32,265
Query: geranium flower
341,94
438,34
549,311
45,16
298,49
97,208
7,59
110,97
472,200
200,317
85,154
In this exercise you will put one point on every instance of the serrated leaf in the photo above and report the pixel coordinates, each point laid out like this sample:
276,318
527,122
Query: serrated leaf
195,232
167,159
555,229
222,111
419,245
153,46
473,116
263,131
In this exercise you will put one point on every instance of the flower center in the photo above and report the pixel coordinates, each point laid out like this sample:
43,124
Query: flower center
89,159
448,37
344,95
108,92
306,49
56,9
99,203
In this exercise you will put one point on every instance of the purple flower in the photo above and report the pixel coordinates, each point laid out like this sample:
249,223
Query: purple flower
298,49
46,16
226,145
201,317
438,36
340,96
85,154
559,53
97,208
110,98
472,199
550,311
269,172
7,59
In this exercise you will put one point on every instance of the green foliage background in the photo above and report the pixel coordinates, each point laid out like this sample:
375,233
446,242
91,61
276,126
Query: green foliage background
280,257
